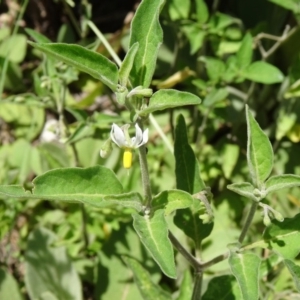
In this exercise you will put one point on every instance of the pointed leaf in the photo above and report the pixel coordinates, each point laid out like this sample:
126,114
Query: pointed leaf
215,67
263,72
127,64
187,170
84,60
164,99
245,189
245,52
146,30
202,12
153,232
97,186
172,200
38,37
148,289
283,237
295,272
259,151
245,268
48,269
279,182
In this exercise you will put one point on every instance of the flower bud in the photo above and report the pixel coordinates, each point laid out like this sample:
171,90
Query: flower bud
106,148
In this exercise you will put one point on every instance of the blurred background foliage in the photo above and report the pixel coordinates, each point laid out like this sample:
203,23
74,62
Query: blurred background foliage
200,55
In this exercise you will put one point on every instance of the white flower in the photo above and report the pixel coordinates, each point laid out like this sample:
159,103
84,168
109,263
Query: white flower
120,136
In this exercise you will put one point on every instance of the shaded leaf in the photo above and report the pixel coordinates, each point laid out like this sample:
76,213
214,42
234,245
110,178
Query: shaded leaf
222,288
48,269
168,98
187,169
259,151
245,268
153,232
148,289
185,289
84,60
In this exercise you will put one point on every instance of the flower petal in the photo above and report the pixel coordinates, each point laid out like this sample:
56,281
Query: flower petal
117,135
145,136
138,137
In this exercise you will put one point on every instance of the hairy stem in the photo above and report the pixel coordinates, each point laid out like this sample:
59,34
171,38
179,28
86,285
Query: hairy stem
197,285
248,221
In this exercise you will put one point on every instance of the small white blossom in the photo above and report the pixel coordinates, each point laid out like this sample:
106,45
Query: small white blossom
120,136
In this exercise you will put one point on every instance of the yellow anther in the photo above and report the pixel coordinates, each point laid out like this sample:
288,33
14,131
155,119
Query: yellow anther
127,158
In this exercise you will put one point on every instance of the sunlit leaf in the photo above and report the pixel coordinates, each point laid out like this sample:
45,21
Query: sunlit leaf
153,232
245,268
84,60
168,98
146,30
259,151
279,182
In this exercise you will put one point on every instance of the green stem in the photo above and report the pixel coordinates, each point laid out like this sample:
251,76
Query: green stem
215,260
197,285
248,221
188,256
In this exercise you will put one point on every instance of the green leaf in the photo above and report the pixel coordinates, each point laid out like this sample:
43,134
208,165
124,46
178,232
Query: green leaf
153,232
148,289
172,200
84,60
295,272
263,72
215,67
259,151
222,288
279,182
194,35
127,64
8,286
97,186
245,189
185,289
283,237
245,52
245,268
168,98
202,12
146,30
38,37
187,169
48,269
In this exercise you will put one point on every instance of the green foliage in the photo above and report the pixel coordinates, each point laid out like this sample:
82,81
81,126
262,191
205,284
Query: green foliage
49,270
157,225
153,233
